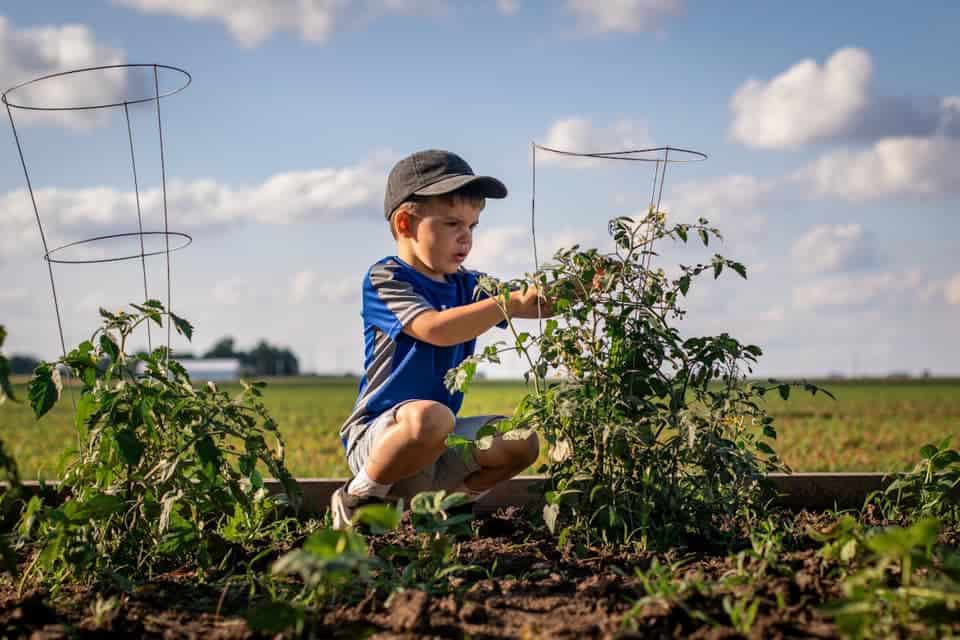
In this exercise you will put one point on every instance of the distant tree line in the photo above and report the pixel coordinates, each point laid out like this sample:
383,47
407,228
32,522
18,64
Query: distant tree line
263,360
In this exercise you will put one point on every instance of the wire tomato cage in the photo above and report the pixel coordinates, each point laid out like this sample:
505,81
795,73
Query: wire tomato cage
661,157
45,94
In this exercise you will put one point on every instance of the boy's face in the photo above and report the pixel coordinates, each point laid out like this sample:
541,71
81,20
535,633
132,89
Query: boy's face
442,235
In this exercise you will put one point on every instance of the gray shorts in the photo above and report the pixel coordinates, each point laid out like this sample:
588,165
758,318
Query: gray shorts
449,470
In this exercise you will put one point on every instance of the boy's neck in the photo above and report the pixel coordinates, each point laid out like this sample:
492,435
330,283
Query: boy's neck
407,254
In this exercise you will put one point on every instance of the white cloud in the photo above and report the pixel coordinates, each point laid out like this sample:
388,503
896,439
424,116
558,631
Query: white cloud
809,103
728,194
321,194
27,54
860,291
507,252
834,248
806,102
916,167
251,22
629,16
579,135
508,7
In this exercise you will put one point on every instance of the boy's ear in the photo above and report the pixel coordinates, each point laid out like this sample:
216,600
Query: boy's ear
403,221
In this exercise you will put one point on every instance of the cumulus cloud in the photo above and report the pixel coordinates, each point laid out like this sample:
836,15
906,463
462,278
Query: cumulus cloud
579,135
810,102
27,54
718,196
830,248
629,16
317,195
915,167
859,291
506,252
251,22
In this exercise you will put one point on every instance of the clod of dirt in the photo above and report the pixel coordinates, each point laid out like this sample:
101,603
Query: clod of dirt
473,613
408,610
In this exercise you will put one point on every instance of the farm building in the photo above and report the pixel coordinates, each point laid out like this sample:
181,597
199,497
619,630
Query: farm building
214,369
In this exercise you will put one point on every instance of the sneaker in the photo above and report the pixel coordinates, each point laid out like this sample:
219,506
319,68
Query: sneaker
344,505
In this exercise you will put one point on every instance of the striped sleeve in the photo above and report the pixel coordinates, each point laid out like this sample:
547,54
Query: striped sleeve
389,302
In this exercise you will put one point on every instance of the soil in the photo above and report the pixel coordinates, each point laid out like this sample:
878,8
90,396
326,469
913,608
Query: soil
534,591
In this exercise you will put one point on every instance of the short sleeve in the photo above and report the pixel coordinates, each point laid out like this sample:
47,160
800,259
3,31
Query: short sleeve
390,302
477,293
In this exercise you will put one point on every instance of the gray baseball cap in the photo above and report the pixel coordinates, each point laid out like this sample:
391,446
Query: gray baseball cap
431,173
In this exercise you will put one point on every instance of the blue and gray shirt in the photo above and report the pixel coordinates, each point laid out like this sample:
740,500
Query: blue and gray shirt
397,366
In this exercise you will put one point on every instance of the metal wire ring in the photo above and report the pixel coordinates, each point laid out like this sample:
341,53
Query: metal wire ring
625,155
188,77
48,256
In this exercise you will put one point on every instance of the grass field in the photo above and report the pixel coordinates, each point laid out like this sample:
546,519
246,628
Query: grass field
872,426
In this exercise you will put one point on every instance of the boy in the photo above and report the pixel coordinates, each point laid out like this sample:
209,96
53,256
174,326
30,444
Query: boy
421,319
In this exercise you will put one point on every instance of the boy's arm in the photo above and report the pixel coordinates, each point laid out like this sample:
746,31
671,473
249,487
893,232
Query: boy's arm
459,324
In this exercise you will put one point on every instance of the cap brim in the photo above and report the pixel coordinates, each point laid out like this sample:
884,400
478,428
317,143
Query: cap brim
490,187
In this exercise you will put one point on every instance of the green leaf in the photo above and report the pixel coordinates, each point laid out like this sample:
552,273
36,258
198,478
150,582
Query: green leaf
928,451
182,326
379,517
682,232
739,268
109,347
684,284
86,407
131,449
44,389
329,543
704,237
208,452
275,617
717,269
6,389
100,506
784,390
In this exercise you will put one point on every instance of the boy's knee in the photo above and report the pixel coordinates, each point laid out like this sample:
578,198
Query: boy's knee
531,450
523,452
427,422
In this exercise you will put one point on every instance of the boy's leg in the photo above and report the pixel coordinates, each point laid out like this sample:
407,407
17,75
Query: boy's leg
415,440
402,444
488,467
503,460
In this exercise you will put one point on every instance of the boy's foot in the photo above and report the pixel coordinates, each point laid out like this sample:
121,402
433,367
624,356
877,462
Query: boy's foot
344,505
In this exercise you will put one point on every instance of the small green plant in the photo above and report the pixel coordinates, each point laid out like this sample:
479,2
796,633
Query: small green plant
931,489
654,438
899,582
434,518
165,474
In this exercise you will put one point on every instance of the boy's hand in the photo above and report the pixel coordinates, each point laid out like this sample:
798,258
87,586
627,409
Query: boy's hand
529,303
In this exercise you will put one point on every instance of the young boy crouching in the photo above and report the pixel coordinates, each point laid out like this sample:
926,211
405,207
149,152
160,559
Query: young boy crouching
420,319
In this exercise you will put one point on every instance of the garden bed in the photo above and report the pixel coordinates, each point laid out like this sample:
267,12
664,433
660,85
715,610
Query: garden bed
524,586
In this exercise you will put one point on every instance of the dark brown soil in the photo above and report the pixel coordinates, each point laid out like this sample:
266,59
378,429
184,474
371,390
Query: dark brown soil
534,591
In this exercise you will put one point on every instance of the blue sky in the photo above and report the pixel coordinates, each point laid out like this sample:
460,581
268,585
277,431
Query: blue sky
833,135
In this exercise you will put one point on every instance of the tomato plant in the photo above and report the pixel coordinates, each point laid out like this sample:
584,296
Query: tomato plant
165,473
654,437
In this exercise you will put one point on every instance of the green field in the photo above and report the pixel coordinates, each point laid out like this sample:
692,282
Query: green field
872,426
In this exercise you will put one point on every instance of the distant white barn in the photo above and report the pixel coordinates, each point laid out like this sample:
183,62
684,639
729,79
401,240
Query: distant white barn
213,369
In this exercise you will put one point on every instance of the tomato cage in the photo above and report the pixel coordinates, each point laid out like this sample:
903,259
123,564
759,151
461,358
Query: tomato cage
660,157
85,98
